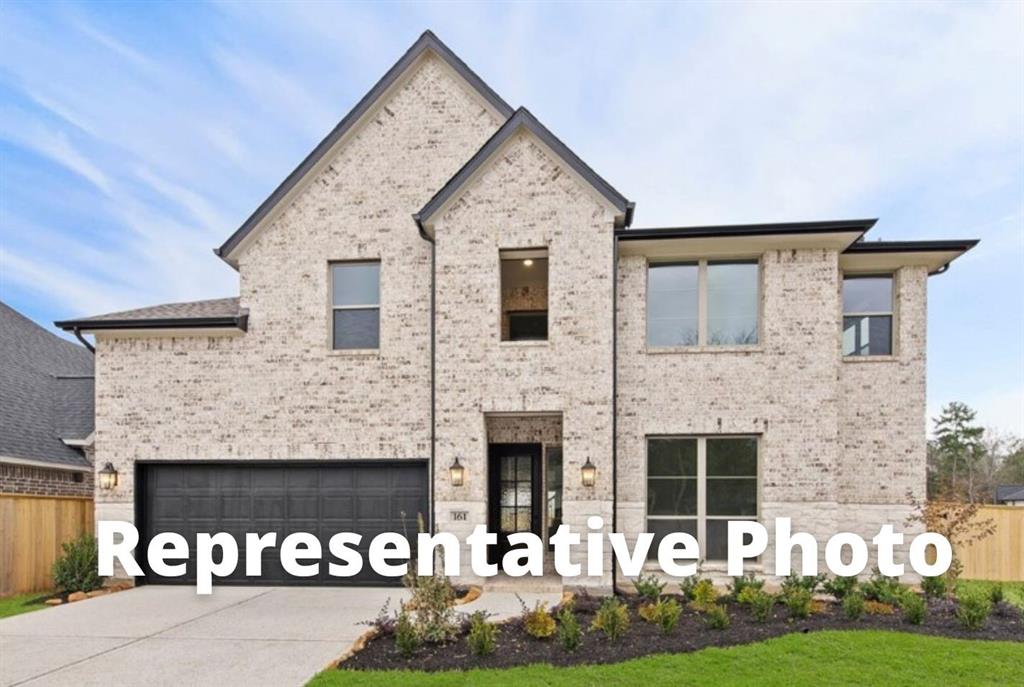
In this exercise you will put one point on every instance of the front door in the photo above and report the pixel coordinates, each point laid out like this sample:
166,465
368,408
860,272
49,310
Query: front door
515,501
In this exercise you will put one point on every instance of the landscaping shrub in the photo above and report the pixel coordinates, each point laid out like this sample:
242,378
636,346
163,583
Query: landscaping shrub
483,636
853,605
649,587
887,590
569,633
433,597
704,594
716,617
934,587
840,587
407,639
878,608
76,569
914,608
612,618
537,622
740,585
808,582
664,613
798,601
995,593
761,605
748,595
972,611
688,585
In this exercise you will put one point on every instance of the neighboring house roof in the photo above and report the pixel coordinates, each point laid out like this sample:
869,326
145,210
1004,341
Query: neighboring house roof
427,41
215,313
47,396
1009,492
524,119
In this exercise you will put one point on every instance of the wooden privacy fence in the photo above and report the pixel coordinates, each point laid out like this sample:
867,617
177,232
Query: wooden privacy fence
32,529
1000,556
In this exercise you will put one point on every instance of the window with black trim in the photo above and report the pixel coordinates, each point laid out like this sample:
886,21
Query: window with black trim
524,295
867,314
355,305
697,485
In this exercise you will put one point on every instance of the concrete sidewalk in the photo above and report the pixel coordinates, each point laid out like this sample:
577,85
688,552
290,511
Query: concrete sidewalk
157,636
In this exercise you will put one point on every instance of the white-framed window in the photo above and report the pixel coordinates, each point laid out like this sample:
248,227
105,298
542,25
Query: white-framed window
703,303
868,314
355,305
697,484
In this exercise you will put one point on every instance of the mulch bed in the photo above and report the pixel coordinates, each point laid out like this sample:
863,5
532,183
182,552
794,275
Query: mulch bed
516,648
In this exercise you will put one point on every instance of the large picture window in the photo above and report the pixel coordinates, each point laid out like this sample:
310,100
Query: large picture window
867,315
703,303
696,485
355,305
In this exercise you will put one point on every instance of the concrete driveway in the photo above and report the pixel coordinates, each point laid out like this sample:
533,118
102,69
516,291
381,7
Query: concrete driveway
170,636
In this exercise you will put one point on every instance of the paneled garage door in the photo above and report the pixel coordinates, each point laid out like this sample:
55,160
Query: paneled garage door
367,497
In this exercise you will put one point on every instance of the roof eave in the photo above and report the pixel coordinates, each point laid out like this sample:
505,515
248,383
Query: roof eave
240,322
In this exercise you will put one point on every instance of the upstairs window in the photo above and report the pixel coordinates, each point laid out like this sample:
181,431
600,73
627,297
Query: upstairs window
524,295
703,303
867,315
355,305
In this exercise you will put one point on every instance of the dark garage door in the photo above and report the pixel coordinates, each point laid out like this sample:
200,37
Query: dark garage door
367,497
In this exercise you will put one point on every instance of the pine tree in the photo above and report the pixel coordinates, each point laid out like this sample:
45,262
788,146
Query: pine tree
958,445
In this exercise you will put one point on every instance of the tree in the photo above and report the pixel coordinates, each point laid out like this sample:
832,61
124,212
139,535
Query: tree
958,449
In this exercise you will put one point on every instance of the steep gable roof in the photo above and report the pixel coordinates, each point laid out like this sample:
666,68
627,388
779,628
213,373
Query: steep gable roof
524,119
426,42
47,396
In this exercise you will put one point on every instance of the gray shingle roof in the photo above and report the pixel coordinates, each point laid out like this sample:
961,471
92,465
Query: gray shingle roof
217,312
47,394
1010,492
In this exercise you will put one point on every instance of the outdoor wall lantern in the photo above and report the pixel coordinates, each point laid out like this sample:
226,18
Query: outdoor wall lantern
589,473
108,477
457,473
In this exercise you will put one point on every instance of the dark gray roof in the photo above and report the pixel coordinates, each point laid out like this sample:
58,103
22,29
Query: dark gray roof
427,41
218,312
722,230
1010,492
523,118
47,394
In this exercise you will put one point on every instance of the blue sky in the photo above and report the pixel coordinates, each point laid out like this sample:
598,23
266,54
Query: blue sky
136,137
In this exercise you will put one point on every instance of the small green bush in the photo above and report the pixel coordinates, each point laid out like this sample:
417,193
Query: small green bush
995,594
740,585
433,598
705,594
914,608
406,638
688,585
886,590
840,587
798,601
537,622
853,605
569,633
483,636
761,605
649,587
748,595
664,613
972,611
934,587
716,617
612,618
808,582
77,568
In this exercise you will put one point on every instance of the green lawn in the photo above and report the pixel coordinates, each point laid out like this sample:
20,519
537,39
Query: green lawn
822,658
1013,591
22,603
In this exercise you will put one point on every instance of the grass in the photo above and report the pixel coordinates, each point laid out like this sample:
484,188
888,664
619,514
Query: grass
1013,591
22,603
822,658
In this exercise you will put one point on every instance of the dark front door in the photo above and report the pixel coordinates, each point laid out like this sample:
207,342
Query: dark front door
323,498
515,500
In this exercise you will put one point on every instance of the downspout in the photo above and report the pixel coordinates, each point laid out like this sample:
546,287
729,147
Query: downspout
433,364
78,335
615,393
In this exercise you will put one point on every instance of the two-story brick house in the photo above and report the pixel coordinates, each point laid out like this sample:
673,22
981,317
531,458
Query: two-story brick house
443,311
